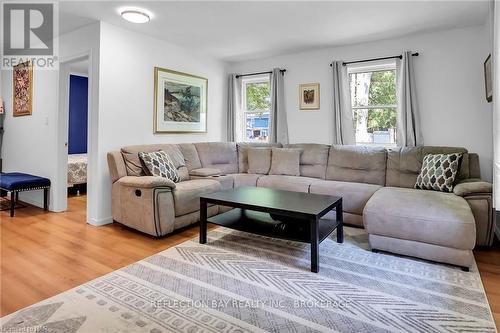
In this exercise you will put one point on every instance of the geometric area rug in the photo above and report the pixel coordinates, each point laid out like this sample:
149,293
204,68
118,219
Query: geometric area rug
239,282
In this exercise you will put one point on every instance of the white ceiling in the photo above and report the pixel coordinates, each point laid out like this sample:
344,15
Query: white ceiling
236,31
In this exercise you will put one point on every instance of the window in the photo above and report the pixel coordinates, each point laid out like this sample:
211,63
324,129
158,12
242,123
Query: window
256,98
374,103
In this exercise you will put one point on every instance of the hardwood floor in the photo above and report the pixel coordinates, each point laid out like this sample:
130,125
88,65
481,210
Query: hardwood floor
488,262
43,254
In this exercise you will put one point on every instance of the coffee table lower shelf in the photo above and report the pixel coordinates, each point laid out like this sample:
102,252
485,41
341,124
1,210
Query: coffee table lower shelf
262,224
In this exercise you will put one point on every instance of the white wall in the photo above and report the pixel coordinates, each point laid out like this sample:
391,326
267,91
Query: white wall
494,25
29,142
121,110
449,78
126,90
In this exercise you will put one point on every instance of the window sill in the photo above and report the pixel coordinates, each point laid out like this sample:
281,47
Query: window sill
370,144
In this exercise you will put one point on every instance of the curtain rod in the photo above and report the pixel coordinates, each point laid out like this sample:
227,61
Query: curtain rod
375,59
260,73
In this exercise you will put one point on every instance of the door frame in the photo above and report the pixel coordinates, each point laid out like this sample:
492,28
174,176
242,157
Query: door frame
60,200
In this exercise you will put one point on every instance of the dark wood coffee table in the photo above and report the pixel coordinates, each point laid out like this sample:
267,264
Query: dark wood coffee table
265,211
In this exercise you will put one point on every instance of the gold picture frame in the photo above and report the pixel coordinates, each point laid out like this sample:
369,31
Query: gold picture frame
309,96
180,102
22,89
488,84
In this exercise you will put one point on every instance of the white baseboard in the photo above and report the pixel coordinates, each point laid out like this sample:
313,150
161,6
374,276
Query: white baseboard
100,222
36,199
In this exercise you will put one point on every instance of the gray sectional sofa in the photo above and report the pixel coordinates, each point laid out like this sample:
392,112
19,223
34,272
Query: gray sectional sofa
376,185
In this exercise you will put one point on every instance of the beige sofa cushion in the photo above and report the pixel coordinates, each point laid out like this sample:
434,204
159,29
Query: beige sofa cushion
357,164
419,215
242,148
287,183
191,157
146,182
204,172
259,160
285,161
474,169
187,194
133,163
404,164
313,159
473,187
218,155
354,195
116,165
244,179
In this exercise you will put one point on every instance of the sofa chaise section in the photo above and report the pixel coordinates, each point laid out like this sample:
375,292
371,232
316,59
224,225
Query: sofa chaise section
426,224
403,167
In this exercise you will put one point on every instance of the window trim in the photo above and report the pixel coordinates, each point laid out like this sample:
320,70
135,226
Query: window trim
385,106
376,66
264,78
379,66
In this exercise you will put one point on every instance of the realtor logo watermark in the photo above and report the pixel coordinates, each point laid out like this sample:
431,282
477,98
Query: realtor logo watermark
28,33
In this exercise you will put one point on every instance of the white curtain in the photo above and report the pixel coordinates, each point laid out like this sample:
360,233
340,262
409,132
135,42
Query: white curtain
343,126
278,126
408,119
233,107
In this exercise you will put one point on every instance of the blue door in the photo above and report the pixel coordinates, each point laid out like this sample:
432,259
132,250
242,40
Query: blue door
78,111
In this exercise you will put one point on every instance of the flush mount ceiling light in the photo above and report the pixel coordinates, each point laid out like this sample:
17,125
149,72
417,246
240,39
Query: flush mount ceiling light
135,15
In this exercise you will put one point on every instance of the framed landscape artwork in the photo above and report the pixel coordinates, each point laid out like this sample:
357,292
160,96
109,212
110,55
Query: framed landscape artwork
180,102
309,96
22,87
487,79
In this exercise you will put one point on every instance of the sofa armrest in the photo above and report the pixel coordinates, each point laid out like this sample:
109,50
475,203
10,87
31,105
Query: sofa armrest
471,187
146,182
205,172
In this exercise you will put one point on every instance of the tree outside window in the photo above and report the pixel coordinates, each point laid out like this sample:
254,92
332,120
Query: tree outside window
256,107
374,103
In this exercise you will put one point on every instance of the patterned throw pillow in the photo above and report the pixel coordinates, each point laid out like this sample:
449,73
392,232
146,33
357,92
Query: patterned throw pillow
438,172
158,163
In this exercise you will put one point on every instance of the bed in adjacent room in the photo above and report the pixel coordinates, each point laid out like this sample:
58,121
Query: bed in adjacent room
77,169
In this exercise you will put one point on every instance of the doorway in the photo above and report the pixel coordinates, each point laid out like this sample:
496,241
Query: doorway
73,136
77,136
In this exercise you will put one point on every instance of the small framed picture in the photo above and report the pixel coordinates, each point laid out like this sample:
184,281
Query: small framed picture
309,96
23,89
487,79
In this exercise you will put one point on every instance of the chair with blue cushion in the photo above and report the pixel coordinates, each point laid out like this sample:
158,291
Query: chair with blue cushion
15,182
